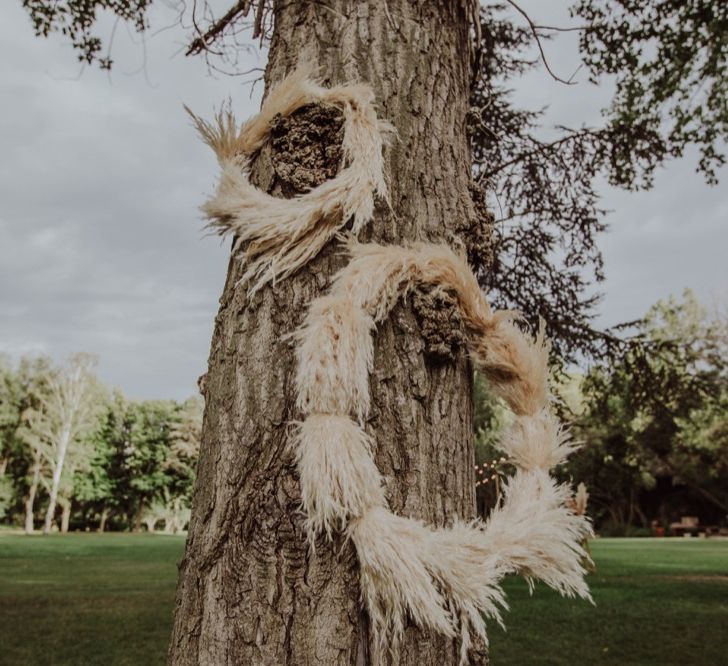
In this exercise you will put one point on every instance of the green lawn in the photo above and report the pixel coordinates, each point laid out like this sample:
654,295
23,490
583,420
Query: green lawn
107,599
658,601
86,599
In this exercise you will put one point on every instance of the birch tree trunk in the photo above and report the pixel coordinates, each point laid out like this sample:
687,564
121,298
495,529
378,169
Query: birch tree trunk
65,514
62,448
32,491
102,521
250,591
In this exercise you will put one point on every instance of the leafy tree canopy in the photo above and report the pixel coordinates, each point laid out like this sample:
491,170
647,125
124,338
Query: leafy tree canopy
672,427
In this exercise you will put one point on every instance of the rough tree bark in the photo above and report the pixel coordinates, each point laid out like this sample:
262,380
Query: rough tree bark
250,591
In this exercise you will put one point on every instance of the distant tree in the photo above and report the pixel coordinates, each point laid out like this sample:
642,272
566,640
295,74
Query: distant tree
686,424
610,461
657,412
9,419
67,414
142,441
6,495
9,410
21,388
35,449
700,457
184,450
80,462
95,486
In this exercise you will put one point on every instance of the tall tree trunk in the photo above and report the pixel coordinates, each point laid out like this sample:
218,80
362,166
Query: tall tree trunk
32,491
63,443
137,520
65,514
104,518
250,590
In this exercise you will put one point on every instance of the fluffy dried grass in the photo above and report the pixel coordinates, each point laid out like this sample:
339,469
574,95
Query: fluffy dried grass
339,480
537,442
447,580
444,579
335,354
276,237
516,363
378,275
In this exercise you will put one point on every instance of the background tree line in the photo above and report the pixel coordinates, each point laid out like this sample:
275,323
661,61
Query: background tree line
76,455
653,421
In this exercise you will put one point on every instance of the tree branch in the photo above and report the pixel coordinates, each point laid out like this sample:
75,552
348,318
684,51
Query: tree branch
575,134
240,8
534,30
556,28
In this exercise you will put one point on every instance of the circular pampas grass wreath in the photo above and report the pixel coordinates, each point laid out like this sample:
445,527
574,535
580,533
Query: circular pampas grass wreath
443,579
275,237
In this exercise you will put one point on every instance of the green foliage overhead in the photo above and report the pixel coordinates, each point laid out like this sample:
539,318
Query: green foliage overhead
76,20
670,61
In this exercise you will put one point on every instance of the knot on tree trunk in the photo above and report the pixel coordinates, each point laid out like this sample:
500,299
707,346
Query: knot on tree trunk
477,233
305,147
202,384
440,322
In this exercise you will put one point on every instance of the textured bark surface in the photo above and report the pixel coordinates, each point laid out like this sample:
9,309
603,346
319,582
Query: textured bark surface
250,590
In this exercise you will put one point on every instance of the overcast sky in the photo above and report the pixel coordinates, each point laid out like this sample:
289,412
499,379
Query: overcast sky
101,247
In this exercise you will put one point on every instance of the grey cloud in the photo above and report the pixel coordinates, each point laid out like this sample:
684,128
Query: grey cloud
101,246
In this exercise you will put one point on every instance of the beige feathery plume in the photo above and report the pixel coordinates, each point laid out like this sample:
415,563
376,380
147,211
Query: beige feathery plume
395,583
276,237
516,363
533,534
378,275
339,480
580,500
444,579
537,442
335,353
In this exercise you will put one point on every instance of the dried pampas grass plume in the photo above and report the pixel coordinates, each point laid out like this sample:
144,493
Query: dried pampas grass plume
445,579
525,441
339,479
276,237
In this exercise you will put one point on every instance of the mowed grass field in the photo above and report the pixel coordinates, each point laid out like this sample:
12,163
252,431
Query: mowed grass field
86,599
